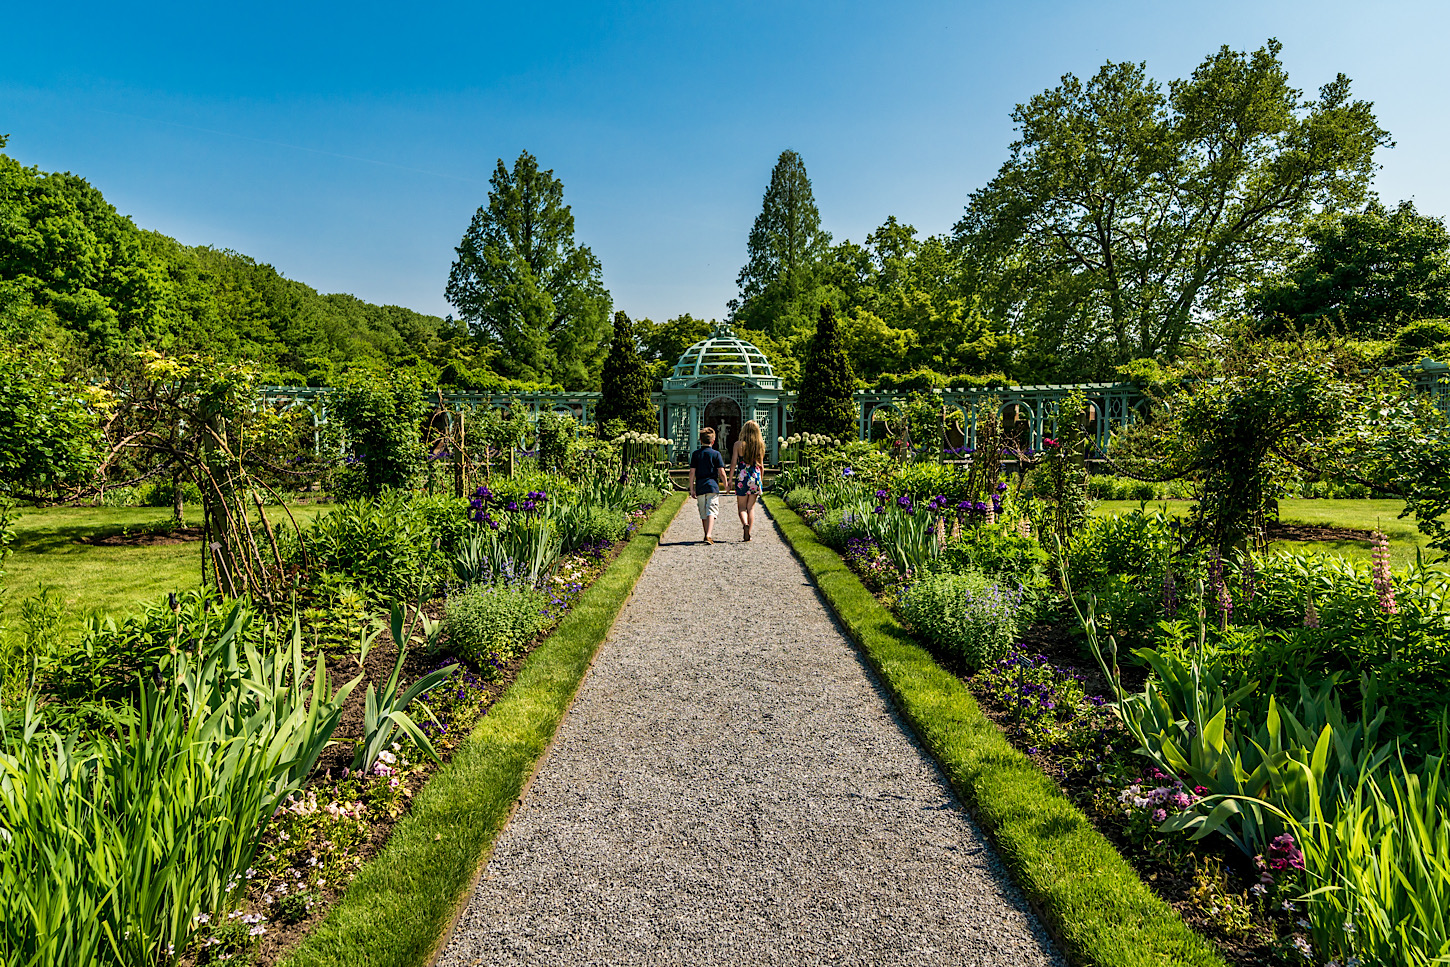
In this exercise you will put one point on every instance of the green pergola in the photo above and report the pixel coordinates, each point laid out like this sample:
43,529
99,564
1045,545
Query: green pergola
721,381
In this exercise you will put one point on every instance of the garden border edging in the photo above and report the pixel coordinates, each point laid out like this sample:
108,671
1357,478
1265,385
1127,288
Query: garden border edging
1090,899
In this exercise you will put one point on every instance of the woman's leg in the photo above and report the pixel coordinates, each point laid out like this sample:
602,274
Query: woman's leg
747,517
742,506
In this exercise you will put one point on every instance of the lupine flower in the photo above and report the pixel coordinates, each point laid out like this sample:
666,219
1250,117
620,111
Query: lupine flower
1220,591
1383,587
1250,583
1311,616
1170,595
1024,527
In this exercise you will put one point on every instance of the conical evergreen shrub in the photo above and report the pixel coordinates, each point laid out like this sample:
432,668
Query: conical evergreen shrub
827,399
626,385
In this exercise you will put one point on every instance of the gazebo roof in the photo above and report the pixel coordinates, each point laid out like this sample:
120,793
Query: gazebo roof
722,353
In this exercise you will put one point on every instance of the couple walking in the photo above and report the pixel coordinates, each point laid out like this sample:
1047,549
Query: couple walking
707,473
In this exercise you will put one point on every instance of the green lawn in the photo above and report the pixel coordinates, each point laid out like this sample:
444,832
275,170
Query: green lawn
1382,515
114,580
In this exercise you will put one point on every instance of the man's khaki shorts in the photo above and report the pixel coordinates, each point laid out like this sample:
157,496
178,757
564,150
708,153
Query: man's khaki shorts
709,505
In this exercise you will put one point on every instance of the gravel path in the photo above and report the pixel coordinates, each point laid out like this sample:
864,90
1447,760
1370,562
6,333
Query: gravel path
737,790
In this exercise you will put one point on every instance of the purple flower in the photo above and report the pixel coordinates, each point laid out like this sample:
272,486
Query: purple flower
511,505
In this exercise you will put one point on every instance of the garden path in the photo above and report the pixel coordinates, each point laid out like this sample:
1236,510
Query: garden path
732,786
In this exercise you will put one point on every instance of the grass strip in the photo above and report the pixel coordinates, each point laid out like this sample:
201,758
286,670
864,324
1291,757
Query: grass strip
1089,897
396,910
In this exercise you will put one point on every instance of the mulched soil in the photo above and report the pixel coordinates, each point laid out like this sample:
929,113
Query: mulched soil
1173,883
342,667
1314,532
181,535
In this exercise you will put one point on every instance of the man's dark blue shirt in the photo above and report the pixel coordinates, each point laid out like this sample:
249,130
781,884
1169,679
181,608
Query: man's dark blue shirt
707,464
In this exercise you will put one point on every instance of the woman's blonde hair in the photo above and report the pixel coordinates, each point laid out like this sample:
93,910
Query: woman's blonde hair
752,445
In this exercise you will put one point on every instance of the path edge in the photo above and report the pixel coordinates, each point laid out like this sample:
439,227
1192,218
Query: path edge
406,902
1089,898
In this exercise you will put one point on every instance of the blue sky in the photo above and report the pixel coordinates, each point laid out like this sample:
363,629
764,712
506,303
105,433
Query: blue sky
349,145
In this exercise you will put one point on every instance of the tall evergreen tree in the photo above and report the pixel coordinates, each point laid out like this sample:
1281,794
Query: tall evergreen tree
828,387
626,383
522,281
785,250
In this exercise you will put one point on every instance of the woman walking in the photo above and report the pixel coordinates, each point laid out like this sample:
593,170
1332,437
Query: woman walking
747,467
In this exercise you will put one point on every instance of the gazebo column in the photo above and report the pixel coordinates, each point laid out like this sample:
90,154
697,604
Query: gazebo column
694,426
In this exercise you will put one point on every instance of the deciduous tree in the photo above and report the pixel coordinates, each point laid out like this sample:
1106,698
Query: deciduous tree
1365,273
1127,215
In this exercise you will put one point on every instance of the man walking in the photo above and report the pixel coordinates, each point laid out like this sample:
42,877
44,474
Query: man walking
707,473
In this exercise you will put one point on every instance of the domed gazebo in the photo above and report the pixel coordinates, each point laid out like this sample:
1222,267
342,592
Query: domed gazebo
721,381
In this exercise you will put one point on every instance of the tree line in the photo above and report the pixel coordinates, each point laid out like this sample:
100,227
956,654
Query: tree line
1132,221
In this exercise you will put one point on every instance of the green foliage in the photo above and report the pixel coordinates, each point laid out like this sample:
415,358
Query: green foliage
49,426
662,344
382,419
1001,553
1233,428
389,547
1385,857
1424,339
625,386
969,616
1127,214
1088,894
495,622
784,251
1364,274
827,397
386,712
1065,456
404,900
96,869
524,284
554,433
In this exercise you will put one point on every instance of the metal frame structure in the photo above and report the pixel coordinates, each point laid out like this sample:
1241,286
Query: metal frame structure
724,365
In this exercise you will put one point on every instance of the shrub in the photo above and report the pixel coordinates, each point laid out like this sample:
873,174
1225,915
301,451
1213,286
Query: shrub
967,615
1137,545
839,526
923,481
801,496
494,623
1001,553
389,546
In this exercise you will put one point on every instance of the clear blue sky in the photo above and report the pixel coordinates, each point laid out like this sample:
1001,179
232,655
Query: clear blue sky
350,146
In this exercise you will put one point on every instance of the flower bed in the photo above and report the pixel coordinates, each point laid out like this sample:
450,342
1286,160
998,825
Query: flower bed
1280,698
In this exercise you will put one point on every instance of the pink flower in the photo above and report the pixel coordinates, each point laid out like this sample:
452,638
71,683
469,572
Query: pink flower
1382,585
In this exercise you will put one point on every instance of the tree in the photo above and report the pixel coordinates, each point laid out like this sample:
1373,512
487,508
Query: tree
626,383
523,283
784,252
1367,273
827,397
1125,216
